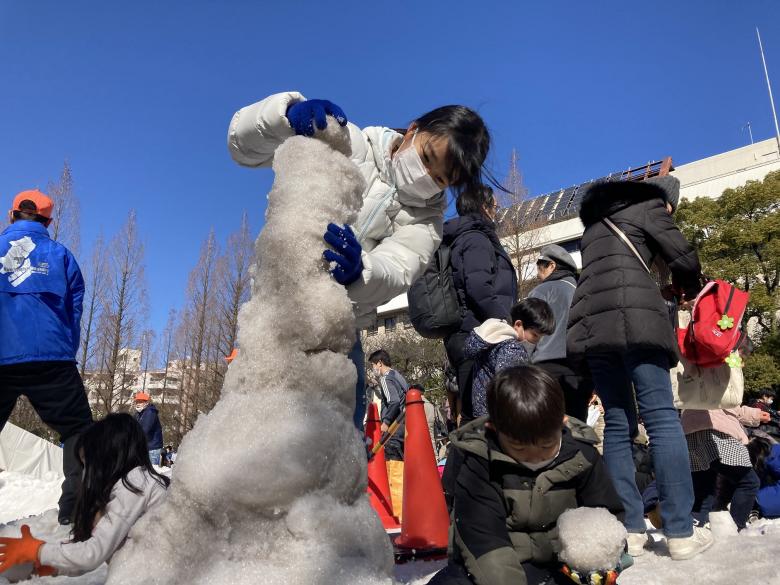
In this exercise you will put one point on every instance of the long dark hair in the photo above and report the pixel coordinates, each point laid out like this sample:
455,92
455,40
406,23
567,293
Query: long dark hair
110,449
475,201
468,145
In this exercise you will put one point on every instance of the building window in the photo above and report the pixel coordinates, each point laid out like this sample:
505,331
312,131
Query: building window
372,329
390,323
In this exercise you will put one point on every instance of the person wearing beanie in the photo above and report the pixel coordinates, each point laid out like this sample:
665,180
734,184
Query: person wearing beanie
147,416
41,294
558,272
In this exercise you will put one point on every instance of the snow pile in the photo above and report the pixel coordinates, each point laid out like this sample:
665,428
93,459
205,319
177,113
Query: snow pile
269,488
591,539
25,495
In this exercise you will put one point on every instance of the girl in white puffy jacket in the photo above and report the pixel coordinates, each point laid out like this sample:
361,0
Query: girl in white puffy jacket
119,486
400,225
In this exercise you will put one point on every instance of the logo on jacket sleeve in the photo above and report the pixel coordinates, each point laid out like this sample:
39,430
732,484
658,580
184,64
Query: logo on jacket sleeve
17,263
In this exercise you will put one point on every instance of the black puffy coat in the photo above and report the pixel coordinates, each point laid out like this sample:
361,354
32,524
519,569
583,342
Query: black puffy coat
482,271
618,305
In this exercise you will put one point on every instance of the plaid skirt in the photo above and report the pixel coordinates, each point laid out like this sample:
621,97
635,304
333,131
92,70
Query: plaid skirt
707,446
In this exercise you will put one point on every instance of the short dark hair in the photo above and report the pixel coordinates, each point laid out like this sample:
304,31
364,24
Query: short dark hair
767,392
526,404
535,314
28,211
380,355
474,201
419,387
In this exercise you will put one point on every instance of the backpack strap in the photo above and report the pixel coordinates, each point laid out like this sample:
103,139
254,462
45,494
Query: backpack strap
619,233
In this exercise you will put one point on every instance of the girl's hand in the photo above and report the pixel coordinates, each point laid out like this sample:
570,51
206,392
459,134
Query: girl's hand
764,417
17,551
303,116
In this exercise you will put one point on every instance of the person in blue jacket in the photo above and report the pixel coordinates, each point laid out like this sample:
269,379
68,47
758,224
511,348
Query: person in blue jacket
147,416
41,294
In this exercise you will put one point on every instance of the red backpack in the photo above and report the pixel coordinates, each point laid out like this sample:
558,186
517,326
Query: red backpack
715,328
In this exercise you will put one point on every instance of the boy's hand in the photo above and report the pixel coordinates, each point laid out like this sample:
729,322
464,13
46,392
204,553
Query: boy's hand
384,427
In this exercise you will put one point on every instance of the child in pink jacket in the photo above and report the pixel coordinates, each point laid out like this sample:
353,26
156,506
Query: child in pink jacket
720,462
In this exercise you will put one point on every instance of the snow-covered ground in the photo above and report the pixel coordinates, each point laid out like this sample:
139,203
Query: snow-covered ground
749,558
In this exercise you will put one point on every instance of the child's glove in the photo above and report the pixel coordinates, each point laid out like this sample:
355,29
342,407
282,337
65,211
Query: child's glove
17,551
303,115
349,263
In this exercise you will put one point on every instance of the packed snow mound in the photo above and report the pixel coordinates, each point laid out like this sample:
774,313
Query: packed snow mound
25,495
591,539
269,487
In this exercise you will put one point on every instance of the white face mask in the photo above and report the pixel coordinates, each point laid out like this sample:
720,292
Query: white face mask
540,464
410,173
139,407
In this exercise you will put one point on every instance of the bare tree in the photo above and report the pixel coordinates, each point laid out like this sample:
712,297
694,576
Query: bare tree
520,226
94,299
234,284
199,393
65,226
121,318
147,355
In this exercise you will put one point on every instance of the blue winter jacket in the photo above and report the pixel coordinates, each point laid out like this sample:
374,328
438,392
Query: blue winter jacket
150,423
768,498
494,347
41,294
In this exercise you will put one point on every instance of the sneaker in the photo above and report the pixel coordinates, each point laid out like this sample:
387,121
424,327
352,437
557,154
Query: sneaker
636,543
688,547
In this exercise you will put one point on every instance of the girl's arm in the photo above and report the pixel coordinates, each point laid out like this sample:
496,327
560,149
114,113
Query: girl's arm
391,267
747,415
257,130
77,558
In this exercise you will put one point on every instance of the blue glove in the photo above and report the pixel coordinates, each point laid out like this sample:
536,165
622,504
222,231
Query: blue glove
348,260
303,114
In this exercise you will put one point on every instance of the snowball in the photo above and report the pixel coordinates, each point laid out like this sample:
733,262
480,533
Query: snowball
270,486
591,539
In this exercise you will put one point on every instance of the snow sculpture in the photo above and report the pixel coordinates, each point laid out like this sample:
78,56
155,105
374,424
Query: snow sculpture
269,487
591,539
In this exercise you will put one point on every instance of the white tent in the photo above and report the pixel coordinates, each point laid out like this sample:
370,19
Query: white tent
25,453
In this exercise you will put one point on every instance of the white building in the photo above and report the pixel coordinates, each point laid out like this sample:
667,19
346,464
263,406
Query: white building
707,177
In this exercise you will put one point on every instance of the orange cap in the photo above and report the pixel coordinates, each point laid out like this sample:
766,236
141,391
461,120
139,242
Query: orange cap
43,204
141,397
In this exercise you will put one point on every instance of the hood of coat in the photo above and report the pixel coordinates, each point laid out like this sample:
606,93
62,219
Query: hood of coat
495,331
602,199
471,222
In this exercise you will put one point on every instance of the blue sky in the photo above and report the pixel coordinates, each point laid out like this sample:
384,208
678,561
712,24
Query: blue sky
138,95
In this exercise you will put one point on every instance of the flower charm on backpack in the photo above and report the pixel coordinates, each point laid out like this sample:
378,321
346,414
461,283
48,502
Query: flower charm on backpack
734,361
726,322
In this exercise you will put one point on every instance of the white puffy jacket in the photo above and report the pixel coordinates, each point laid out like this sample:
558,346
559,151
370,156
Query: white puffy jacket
399,233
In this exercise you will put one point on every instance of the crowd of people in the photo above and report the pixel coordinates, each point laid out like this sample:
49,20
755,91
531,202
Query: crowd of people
526,371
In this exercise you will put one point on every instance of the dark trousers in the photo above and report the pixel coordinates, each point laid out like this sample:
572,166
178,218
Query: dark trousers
742,484
464,370
57,394
577,389
456,574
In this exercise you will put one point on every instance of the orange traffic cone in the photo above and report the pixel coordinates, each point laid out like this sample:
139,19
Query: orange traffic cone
425,522
378,485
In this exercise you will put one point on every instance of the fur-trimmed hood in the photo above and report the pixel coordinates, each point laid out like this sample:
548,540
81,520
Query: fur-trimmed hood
604,198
